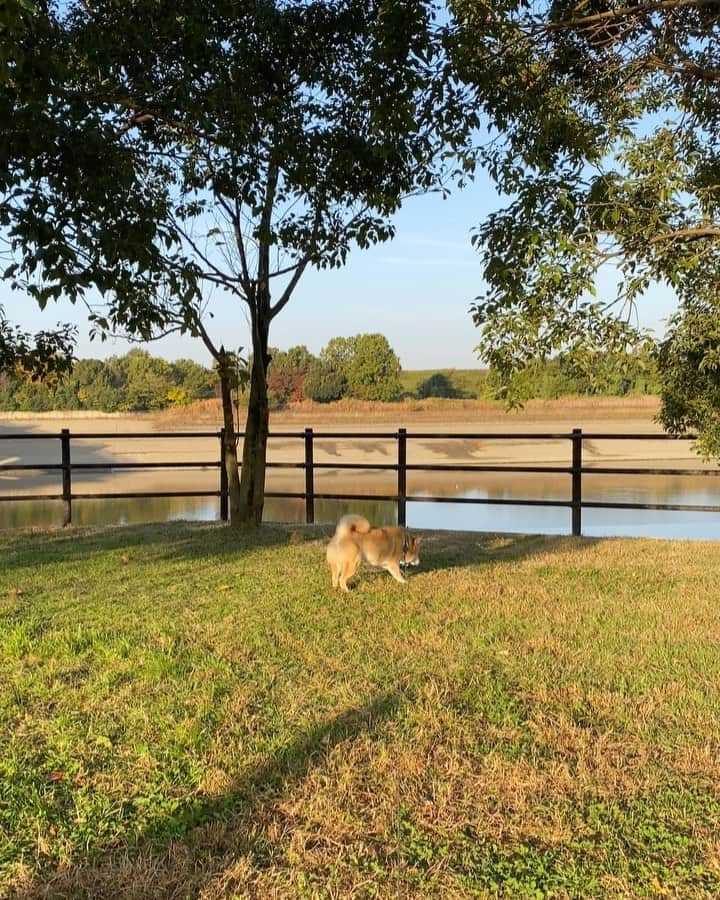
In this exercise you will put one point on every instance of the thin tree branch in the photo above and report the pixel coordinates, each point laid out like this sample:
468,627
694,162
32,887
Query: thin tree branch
206,339
287,293
138,339
622,12
217,276
277,272
688,67
133,121
691,234
234,215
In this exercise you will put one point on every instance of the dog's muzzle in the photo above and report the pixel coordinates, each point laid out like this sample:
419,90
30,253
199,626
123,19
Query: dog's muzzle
404,561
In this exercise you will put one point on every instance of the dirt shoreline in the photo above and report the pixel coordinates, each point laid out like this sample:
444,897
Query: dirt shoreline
536,435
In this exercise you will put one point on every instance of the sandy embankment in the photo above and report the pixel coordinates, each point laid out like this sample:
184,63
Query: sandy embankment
106,442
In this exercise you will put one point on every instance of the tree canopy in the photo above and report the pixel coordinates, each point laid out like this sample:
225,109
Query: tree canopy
162,150
689,364
373,371
607,151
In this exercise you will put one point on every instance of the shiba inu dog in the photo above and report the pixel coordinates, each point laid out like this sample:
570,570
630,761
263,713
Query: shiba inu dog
387,548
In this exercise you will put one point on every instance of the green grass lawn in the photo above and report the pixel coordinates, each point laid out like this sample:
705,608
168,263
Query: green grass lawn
188,713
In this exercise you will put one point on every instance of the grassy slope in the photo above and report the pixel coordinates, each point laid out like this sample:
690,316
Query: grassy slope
469,382
186,713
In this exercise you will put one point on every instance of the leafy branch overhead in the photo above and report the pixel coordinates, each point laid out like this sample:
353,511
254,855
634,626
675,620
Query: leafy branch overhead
44,355
607,151
300,127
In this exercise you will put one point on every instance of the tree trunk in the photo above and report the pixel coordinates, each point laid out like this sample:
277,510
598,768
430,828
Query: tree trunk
229,450
252,477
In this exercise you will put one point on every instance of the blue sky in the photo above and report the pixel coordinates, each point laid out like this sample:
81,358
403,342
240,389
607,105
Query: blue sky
415,289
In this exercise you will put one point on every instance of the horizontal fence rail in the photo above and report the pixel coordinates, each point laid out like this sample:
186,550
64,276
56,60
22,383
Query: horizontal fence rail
575,470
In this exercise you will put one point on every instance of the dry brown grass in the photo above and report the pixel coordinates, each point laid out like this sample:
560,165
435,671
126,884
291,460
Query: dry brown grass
432,410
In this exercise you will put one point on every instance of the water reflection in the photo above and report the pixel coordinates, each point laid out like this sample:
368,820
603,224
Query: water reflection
135,511
665,490
554,520
445,515
107,512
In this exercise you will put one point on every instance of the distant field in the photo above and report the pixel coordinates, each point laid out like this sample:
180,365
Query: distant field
469,383
572,410
188,713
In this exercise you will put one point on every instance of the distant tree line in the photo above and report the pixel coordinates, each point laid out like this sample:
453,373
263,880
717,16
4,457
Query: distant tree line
136,382
599,374
363,367
609,374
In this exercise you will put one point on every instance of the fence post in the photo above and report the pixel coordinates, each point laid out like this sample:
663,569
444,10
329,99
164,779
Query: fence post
66,476
577,481
402,476
223,480
309,478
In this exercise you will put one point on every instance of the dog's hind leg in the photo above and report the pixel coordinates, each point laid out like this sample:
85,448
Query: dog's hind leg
335,571
349,568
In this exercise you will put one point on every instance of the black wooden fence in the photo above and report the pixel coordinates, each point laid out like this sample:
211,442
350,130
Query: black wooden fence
574,470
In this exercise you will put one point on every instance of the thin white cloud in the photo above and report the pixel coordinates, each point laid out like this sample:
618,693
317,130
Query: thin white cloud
428,261
420,240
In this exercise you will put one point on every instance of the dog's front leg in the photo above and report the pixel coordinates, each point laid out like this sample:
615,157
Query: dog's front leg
394,570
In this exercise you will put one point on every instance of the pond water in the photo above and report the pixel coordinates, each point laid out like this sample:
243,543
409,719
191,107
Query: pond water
436,516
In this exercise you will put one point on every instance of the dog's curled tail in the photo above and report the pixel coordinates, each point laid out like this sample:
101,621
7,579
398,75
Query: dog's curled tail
350,525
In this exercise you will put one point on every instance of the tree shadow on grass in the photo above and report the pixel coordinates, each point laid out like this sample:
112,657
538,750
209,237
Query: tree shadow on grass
162,541
182,856
194,541
449,549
